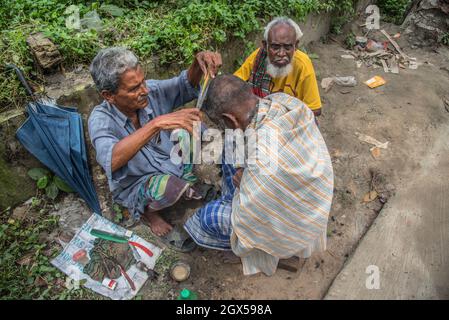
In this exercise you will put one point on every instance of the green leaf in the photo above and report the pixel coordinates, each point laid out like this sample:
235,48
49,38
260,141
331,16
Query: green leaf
37,173
118,217
52,191
62,185
42,182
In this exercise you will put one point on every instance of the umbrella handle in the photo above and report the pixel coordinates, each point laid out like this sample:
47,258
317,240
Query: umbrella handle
22,79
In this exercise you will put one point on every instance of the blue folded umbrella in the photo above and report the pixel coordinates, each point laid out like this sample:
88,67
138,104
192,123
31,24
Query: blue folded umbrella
54,135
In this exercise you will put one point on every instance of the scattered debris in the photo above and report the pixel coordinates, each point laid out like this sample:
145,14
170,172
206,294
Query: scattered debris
45,53
375,152
361,41
345,81
370,196
394,66
371,140
384,65
395,45
373,194
413,64
376,54
374,46
327,83
375,82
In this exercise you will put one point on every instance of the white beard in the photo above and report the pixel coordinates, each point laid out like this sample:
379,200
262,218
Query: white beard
278,72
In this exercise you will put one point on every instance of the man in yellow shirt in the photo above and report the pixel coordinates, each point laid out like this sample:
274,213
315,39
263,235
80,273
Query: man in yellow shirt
279,67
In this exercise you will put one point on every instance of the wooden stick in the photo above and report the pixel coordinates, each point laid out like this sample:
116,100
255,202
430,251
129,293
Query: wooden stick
395,45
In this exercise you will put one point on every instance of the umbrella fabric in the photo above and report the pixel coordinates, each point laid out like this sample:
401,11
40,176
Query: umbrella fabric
54,135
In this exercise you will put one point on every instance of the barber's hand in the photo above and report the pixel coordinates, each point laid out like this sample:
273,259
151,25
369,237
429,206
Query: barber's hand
209,62
237,177
179,119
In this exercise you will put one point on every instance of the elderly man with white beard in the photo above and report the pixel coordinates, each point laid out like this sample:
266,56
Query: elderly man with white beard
278,66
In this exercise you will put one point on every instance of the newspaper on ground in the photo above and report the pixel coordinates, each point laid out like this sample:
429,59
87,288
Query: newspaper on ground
84,240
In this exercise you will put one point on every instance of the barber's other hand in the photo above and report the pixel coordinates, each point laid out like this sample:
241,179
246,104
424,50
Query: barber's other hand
179,119
237,177
209,62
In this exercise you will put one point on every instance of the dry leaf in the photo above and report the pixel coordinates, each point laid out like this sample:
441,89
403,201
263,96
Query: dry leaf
371,140
26,259
336,153
40,282
375,152
370,196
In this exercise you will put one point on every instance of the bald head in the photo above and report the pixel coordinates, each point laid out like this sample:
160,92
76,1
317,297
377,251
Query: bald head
230,102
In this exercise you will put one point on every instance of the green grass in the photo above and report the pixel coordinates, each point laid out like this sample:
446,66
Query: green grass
393,10
25,269
168,31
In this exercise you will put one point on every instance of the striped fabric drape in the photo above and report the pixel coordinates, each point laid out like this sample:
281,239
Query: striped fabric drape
283,212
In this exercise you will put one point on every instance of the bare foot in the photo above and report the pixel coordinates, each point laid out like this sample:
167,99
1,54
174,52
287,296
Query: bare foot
158,225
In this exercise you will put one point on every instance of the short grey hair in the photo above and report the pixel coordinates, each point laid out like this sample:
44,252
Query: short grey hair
224,95
108,66
282,20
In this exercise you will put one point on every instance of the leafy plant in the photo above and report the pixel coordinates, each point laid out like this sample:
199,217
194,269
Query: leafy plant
51,183
445,39
350,40
344,13
170,31
25,269
118,213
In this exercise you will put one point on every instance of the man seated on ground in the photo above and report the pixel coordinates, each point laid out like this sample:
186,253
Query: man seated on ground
130,131
278,66
264,215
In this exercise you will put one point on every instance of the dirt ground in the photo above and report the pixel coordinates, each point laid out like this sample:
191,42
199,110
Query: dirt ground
408,111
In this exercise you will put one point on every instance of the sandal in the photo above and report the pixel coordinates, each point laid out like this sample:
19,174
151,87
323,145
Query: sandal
178,239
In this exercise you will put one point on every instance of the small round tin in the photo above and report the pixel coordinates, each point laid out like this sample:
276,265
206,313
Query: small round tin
180,271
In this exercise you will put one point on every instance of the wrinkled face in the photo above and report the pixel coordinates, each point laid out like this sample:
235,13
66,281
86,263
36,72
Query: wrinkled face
281,44
132,92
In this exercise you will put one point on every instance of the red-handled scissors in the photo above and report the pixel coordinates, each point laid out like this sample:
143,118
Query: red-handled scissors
144,249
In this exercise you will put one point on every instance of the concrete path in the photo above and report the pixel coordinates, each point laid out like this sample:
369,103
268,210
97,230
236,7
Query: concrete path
409,241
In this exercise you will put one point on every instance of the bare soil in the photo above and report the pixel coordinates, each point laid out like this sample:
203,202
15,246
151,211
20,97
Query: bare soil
408,111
